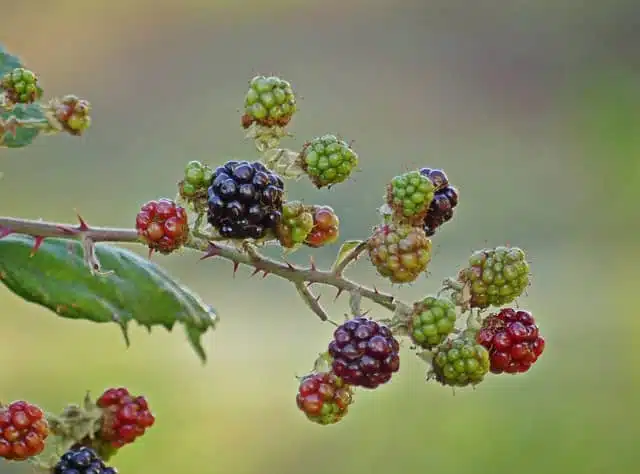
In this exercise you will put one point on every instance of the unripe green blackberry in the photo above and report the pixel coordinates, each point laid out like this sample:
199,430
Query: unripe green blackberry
197,178
495,276
296,224
433,319
399,252
409,196
21,86
460,362
328,160
270,101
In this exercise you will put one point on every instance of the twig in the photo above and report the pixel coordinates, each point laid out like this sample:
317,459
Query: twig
312,301
248,255
351,256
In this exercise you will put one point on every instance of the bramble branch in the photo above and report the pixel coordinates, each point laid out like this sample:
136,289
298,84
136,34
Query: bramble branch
248,254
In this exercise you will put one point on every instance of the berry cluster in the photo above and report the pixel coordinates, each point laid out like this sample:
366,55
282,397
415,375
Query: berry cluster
125,417
495,277
73,113
95,431
82,460
197,178
162,225
296,224
399,252
444,201
324,397
23,431
325,228
328,160
513,340
460,362
432,320
364,352
245,200
269,102
21,86
410,195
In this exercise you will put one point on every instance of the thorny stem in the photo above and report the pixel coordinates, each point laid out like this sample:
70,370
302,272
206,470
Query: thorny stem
301,277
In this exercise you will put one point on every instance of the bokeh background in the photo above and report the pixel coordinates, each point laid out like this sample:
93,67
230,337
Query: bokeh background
533,109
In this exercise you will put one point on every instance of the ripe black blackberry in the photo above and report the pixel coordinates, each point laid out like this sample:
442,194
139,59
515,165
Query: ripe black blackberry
444,201
82,460
364,352
245,200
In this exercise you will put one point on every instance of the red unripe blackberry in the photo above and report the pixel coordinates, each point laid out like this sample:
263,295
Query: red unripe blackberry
245,200
513,340
364,353
126,417
324,397
163,225
326,227
23,431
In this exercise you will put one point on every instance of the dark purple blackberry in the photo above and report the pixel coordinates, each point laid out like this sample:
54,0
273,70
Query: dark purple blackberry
364,353
82,460
444,201
245,200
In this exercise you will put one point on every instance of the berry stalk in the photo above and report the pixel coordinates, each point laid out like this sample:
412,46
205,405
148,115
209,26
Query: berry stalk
247,255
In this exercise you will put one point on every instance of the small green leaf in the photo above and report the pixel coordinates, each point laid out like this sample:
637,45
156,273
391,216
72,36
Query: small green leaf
24,135
346,247
57,278
8,62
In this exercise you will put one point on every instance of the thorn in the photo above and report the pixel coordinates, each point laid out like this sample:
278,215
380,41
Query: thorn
340,290
375,290
289,265
265,275
83,227
313,263
317,298
235,268
255,272
4,231
309,283
36,245
364,313
212,251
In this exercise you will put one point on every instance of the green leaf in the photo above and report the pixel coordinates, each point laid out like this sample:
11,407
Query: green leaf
8,62
24,135
346,247
57,278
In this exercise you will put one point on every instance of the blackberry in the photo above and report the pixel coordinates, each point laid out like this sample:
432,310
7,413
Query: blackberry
444,201
364,353
432,320
245,200
327,160
513,340
23,431
21,86
324,398
495,276
82,460
409,196
270,101
295,225
460,362
399,252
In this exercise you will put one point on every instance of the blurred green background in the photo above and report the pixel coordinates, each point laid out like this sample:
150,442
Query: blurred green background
533,109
